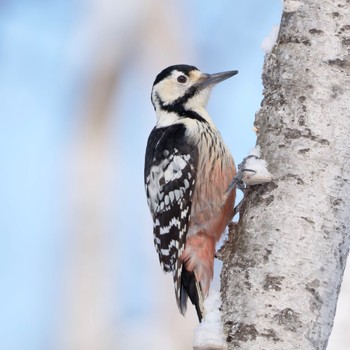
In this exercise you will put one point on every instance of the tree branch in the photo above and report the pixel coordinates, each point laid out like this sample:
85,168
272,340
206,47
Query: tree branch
284,261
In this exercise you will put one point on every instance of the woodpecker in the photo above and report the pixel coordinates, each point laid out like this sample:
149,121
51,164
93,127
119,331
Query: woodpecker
188,169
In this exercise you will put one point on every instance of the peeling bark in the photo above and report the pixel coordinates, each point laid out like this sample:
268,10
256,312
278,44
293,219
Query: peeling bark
284,260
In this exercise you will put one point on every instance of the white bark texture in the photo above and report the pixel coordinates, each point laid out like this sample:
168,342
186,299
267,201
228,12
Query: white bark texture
284,261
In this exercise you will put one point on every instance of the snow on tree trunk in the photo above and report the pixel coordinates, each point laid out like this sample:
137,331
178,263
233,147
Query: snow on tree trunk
284,261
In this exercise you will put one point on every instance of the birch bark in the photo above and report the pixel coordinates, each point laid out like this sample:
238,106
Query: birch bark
284,261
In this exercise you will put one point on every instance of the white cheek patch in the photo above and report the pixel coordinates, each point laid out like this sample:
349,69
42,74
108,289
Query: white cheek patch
170,89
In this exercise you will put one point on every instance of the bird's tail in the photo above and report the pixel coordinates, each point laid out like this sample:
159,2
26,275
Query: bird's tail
187,286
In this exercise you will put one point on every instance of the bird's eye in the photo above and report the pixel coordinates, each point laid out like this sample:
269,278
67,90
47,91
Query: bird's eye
182,79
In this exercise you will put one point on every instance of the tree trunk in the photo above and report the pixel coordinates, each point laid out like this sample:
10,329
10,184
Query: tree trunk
284,261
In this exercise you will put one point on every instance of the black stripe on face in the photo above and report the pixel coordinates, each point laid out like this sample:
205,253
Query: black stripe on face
184,68
178,108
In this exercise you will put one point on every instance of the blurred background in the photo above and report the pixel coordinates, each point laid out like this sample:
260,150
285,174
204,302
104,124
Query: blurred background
78,269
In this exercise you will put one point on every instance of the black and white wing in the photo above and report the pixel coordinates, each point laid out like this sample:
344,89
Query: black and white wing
170,174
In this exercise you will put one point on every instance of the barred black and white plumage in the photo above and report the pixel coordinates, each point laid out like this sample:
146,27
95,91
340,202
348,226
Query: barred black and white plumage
170,173
187,167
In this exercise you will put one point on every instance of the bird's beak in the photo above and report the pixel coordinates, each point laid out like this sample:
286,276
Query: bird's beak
213,79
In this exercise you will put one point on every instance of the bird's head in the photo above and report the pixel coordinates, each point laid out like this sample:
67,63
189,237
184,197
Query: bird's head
183,87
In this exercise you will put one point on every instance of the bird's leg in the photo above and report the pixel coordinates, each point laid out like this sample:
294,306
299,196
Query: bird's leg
239,183
243,187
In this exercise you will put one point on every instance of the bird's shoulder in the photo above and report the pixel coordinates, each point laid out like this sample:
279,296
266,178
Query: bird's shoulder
164,141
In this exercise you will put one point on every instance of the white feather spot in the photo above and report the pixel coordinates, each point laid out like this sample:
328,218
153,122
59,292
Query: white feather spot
179,163
166,266
164,230
177,194
184,213
164,252
166,200
168,174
